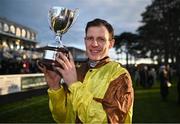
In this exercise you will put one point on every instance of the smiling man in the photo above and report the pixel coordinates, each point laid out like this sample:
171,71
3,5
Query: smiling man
99,91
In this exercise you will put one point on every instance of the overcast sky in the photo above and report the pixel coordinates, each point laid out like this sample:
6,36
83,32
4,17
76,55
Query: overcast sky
124,15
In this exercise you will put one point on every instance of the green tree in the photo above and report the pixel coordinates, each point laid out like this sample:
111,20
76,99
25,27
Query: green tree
160,31
127,42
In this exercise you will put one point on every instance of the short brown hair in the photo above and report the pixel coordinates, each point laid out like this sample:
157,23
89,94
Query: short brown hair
101,22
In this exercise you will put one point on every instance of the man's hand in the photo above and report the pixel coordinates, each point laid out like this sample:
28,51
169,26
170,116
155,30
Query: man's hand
52,78
68,70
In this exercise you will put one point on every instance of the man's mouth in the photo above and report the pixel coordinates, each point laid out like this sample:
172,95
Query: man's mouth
93,52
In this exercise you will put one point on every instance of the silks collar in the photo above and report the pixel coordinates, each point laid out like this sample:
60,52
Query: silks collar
99,63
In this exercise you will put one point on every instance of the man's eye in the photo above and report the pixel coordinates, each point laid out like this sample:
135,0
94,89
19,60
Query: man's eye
101,39
89,38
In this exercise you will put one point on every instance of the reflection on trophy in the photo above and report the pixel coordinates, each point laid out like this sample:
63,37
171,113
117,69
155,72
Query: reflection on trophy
60,20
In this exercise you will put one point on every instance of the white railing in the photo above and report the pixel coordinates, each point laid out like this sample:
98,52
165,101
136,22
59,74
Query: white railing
20,82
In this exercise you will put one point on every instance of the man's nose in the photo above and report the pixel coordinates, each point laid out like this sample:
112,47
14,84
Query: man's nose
95,43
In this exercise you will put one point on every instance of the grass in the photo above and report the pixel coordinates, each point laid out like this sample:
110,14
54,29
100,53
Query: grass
148,108
32,110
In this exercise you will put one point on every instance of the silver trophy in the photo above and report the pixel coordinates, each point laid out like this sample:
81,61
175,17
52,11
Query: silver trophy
60,20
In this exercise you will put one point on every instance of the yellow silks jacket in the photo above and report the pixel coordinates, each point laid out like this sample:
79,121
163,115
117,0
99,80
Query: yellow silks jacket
79,102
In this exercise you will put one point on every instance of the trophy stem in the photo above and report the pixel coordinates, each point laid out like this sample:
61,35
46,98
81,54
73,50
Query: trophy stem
58,39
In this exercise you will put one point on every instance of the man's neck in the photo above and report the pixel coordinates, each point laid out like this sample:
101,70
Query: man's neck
94,63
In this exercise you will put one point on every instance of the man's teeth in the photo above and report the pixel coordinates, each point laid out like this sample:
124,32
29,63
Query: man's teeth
95,51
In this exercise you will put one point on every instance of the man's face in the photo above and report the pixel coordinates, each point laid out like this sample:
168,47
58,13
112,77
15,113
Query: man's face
98,42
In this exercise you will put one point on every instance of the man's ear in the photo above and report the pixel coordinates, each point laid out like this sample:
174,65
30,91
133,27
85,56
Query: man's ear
111,43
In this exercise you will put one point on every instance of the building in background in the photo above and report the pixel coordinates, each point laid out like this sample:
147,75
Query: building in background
79,55
18,55
18,49
15,38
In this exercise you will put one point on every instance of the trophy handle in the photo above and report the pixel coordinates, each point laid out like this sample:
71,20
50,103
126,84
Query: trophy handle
76,12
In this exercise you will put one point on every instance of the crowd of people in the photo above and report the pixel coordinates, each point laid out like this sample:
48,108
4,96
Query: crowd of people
145,76
12,66
148,75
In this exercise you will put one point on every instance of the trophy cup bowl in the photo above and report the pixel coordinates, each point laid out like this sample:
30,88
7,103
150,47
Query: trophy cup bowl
60,20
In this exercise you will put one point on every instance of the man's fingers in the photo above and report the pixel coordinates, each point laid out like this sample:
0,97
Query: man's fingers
71,58
41,67
63,57
61,62
60,71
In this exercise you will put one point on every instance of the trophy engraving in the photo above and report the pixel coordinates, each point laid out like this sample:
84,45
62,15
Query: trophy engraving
60,20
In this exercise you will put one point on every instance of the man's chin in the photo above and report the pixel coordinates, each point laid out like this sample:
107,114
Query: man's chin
93,58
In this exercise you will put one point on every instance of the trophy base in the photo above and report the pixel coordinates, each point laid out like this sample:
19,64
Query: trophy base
49,57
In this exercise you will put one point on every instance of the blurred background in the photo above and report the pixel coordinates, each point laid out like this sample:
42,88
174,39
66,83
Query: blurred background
147,34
